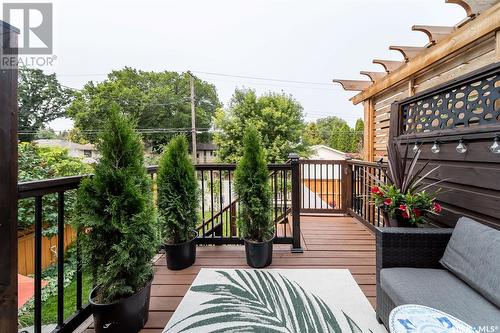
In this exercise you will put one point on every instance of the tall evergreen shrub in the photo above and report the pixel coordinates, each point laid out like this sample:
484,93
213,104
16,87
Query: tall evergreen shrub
177,192
116,213
252,187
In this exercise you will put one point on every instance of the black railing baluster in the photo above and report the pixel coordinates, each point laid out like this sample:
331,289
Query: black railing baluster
60,259
212,199
38,265
221,197
79,286
275,190
231,205
321,184
328,185
203,202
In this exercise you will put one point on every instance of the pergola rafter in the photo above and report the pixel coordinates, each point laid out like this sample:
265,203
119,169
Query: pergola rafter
374,76
434,32
353,85
389,65
408,52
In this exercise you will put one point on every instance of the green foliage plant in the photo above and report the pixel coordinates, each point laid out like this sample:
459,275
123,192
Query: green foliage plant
116,213
177,192
37,163
252,187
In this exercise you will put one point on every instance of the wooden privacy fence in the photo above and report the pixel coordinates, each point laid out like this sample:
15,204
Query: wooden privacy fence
26,250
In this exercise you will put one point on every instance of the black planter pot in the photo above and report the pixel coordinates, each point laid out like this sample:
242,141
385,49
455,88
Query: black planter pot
259,254
126,315
183,255
397,222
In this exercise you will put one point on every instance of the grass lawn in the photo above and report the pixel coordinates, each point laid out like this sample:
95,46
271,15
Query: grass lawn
49,307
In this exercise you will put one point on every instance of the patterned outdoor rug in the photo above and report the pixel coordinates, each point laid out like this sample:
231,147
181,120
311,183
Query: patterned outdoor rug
274,300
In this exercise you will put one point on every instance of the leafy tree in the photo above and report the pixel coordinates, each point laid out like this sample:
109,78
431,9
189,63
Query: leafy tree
41,99
155,100
312,134
277,117
37,163
336,133
116,210
177,192
252,187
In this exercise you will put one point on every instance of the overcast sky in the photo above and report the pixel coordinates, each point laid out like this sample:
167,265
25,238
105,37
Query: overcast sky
298,40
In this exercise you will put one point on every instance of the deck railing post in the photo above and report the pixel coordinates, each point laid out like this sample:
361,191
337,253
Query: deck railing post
8,180
295,164
347,186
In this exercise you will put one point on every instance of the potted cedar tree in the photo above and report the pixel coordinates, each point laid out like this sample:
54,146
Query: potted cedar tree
116,212
252,187
178,203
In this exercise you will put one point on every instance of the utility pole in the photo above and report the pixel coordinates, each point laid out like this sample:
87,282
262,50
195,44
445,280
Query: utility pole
193,117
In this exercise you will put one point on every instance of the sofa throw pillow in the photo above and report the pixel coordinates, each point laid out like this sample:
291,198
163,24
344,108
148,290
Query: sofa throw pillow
473,255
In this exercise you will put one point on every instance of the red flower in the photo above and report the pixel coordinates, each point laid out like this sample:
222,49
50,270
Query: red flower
376,190
388,202
404,212
437,208
417,212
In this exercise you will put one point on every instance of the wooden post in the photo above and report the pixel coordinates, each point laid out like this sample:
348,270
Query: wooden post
368,137
294,161
346,186
8,181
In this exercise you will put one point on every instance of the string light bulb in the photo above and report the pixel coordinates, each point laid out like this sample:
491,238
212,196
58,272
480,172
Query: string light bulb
461,147
495,147
415,147
435,147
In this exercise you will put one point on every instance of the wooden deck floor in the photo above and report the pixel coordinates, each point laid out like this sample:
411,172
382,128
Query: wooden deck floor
328,242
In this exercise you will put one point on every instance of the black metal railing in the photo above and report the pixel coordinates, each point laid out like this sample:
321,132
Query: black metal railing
218,215
362,179
322,186
37,190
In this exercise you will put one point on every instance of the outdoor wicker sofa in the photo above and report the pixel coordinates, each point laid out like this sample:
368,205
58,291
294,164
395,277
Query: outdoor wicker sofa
464,281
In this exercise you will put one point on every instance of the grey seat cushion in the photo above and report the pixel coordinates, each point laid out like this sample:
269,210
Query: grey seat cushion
441,290
473,254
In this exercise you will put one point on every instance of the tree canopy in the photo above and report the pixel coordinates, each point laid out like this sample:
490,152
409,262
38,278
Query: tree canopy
336,133
41,99
155,100
278,118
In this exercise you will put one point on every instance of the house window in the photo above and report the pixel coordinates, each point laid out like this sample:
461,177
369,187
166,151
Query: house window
87,153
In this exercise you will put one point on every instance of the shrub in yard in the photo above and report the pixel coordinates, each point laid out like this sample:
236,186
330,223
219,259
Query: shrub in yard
177,192
252,187
116,213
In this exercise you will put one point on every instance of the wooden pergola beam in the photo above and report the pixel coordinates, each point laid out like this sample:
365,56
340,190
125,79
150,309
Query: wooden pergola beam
435,33
484,24
374,76
353,85
408,52
389,65
474,7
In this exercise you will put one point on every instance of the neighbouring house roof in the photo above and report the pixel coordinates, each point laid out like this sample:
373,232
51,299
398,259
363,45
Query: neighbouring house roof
316,148
64,144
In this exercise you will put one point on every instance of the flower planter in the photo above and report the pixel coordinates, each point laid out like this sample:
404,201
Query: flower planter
259,254
182,255
397,222
125,315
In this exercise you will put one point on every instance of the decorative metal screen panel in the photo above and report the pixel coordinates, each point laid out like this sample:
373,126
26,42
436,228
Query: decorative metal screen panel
470,104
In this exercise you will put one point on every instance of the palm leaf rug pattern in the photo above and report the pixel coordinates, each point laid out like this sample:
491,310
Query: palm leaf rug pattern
259,301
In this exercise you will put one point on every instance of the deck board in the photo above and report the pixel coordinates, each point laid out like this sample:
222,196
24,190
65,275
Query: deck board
329,242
